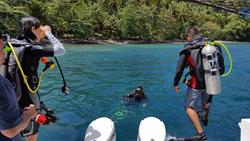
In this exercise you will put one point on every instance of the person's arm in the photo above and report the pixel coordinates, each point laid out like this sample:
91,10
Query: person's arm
58,47
43,51
29,113
179,71
131,95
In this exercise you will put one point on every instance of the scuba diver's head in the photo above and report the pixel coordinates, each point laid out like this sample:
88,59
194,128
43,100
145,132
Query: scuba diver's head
139,90
191,32
31,28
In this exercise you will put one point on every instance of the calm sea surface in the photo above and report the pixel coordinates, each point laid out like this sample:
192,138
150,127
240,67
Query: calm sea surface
99,75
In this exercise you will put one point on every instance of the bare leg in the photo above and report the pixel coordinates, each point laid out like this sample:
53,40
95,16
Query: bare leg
32,137
193,116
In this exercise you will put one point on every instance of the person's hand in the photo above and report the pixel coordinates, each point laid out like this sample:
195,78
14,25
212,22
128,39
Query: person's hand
177,89
30,112
46,28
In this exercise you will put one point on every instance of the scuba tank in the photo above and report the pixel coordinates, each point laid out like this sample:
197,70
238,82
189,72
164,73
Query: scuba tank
211,69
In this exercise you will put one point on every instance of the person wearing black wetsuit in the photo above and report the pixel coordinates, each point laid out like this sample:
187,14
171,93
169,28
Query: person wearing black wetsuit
31,33
196,89
137,96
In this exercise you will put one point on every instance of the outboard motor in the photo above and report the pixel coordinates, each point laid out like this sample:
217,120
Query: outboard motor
101,129
151,129
211,69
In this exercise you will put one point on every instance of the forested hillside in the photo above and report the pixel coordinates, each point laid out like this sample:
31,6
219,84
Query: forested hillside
127,19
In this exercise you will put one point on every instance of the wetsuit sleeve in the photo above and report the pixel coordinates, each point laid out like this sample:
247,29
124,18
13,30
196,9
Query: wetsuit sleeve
58,47
42,51
180,68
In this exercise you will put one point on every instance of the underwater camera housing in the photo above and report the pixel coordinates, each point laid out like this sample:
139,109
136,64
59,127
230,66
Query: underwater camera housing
46,115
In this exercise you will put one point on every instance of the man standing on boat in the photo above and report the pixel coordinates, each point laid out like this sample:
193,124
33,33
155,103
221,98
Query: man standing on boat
196,89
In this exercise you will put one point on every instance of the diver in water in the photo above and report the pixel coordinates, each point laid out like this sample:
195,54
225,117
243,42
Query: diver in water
137,96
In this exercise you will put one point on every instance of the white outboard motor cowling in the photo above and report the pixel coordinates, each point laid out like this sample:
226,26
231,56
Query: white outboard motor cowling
101,129
151,129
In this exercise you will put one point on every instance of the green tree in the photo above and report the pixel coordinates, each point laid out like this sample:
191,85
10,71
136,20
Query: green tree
135,22
235,29
211,30
166,26
127,19
111,27
59,14
80,25
10,16
98,18
111,6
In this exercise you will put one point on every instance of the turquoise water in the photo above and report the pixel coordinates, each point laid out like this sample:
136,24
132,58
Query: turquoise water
99,75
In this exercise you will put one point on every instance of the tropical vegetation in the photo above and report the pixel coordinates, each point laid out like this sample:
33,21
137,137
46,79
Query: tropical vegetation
126,19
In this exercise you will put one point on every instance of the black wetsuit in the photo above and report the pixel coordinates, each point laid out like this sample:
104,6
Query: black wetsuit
185,59
30,64
136,98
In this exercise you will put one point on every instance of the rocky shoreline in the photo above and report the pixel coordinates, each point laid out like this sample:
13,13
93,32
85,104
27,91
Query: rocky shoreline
69,41
121,42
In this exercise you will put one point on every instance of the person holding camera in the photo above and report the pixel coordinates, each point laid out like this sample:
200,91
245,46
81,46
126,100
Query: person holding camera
12,121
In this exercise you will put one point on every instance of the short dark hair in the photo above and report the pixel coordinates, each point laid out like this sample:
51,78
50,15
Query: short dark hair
26,26
192,31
